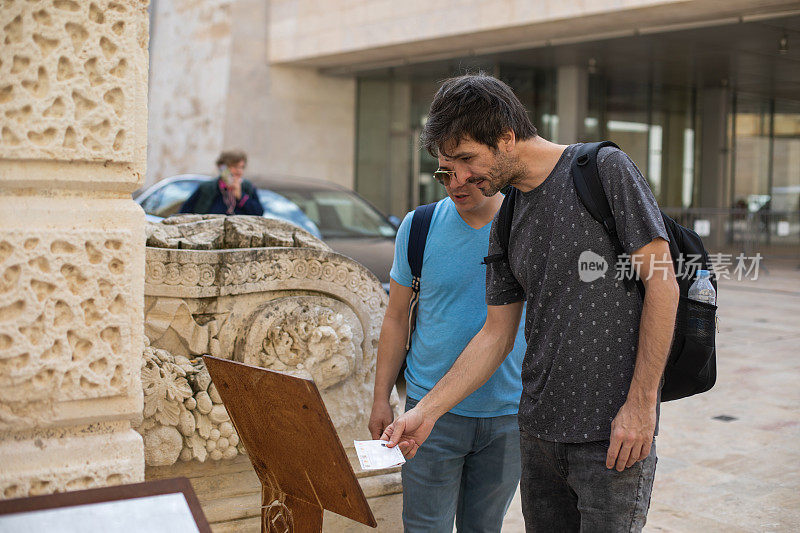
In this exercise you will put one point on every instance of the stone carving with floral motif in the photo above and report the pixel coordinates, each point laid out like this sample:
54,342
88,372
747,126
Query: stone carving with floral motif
183,414
320,336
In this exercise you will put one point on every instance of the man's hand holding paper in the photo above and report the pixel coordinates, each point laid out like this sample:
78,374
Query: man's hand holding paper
375,454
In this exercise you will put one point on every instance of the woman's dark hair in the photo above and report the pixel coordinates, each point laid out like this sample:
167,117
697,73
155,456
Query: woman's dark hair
475,105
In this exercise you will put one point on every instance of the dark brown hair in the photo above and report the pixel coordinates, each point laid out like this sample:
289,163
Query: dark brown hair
475,105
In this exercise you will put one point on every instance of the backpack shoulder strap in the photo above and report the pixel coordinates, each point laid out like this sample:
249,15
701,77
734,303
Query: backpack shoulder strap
586,178
417,237
504,218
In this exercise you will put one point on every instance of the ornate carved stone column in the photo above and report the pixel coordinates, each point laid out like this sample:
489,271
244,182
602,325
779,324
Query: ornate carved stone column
73,83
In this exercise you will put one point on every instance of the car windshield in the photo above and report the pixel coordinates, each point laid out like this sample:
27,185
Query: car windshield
277,206
340,214
168,199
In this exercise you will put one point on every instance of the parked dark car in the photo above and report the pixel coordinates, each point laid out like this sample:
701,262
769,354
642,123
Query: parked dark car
340,217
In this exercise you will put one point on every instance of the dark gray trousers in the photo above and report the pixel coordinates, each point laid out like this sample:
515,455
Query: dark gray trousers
567,487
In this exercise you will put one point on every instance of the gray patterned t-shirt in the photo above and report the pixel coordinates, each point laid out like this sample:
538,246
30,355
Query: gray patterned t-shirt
582,332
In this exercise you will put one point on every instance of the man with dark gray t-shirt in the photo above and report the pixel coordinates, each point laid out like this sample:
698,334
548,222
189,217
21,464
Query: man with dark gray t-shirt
596,351
582,335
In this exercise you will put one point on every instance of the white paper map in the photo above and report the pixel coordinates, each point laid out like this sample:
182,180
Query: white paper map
374,454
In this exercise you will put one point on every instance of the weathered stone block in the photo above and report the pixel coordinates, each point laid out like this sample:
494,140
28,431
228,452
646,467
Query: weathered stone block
72,147
290,305
64,328
69,85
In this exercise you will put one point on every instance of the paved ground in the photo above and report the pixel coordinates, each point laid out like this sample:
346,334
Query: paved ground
742,474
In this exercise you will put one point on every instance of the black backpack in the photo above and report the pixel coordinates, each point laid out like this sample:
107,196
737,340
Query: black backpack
691,366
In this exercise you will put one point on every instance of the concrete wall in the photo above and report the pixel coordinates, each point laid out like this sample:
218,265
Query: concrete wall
213,88
72,148
344,33
189,71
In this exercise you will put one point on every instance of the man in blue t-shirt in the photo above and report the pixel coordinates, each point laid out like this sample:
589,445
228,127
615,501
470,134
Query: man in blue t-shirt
470,466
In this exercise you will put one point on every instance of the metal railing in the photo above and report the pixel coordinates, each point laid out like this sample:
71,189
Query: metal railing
775,232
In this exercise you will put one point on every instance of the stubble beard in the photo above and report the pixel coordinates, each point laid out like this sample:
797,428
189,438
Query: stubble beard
506,171
492,189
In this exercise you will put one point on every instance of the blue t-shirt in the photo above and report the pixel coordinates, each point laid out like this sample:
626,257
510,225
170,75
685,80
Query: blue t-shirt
452,310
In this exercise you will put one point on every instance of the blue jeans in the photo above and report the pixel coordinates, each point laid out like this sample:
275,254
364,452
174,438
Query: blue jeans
567,487
467,469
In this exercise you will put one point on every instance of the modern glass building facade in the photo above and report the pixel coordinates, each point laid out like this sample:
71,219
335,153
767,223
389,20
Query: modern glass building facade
710,115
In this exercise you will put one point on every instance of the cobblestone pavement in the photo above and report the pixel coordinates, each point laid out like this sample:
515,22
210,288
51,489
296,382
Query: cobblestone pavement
729,459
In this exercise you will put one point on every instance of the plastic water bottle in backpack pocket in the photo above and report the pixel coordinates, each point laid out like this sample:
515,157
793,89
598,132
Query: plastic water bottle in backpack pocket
691,367
701,319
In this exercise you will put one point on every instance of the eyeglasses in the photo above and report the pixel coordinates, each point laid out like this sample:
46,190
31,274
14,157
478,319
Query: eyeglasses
443,176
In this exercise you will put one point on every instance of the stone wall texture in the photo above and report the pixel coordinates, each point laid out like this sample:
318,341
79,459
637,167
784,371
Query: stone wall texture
73,91
67,86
